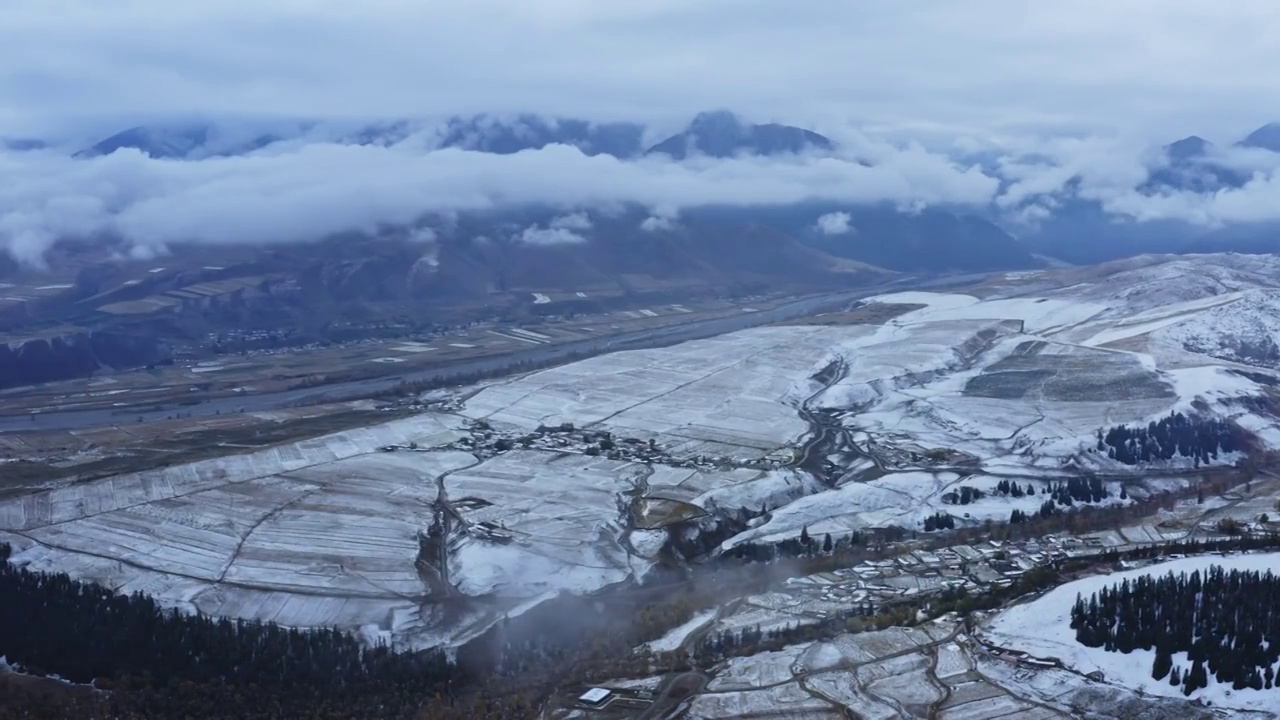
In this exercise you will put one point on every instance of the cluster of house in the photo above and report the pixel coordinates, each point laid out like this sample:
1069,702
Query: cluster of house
974,568
566,439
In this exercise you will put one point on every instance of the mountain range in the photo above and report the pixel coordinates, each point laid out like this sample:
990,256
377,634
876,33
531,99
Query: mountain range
1077,231
718,134
905,240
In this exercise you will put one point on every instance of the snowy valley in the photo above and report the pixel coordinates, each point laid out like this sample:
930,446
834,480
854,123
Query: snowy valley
906,415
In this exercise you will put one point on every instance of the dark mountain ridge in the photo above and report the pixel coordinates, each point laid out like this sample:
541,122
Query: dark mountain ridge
721,134
717,134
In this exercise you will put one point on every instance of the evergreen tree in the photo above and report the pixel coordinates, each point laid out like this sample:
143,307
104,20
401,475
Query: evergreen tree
1163,664
1199,677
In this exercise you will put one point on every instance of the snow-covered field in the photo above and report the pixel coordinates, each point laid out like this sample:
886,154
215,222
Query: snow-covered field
1042,628
736,391
1019,377
561,510
883,674
1016,398
324,532
1013,379
903,499
320,532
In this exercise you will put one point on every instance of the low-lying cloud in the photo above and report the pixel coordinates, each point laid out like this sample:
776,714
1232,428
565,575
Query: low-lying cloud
1258,201
311,191
562,230
836,223
534,235
572,221
1115,173
321,189
657,223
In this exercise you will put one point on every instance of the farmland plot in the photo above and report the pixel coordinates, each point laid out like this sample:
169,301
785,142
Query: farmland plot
736,392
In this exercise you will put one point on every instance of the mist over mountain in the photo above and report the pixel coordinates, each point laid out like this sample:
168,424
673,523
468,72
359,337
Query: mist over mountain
1266,137
716,134
721,134
894,204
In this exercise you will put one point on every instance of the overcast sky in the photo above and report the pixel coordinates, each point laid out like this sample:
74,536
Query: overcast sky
1081,89
1159,67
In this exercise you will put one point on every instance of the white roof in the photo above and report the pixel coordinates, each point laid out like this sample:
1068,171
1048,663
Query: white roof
594,695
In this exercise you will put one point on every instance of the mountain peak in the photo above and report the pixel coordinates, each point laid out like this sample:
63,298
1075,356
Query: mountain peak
1188,148
718,122
722,134
168,141
195,140
1266,137
489,133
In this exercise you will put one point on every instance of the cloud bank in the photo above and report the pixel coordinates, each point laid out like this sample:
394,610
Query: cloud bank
321,189
304,192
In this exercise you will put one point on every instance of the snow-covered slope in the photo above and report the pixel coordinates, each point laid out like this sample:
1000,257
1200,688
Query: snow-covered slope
1245,330
1149,282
